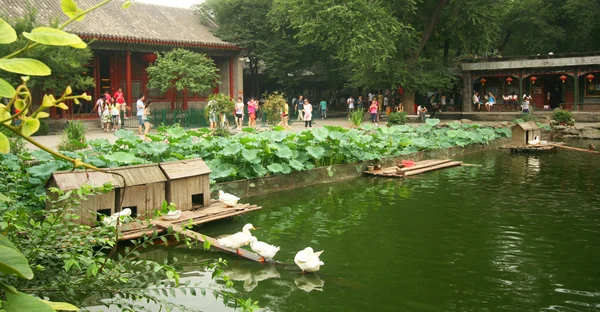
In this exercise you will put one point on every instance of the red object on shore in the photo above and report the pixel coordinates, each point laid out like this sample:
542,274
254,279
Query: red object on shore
408,163
509,80
590,77
533,79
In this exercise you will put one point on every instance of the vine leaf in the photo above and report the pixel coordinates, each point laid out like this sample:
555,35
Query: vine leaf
70,8
12,260
24,302
4,144
52,36
25,66
7,33
30,127
6,90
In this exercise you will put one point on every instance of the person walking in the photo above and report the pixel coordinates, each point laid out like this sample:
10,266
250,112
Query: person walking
323,109
299,107
376,103
252,107
350,102
239,113
114,111
147,124
307,114
100,107
285,115
140,112
373,112
106,116
121,105
371,97
360,103
212,115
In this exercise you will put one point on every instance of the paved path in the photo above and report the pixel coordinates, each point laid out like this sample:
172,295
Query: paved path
96,133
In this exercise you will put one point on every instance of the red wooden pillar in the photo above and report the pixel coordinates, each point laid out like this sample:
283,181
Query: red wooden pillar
128,95
231,77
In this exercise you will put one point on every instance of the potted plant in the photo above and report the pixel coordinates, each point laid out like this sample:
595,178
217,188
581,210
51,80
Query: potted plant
562,117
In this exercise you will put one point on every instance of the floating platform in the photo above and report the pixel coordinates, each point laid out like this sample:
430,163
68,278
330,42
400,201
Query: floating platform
400,171
215,211
533,148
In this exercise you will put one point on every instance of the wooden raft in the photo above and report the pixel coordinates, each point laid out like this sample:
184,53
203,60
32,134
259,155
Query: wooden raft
530,148
420,167
215,211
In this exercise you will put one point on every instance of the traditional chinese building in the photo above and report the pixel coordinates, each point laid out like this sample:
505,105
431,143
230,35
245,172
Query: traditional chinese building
124,42
568,81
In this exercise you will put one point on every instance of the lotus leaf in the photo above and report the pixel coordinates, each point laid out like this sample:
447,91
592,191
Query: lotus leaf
231,149
315,152
275,168
250,155
259,169
284,152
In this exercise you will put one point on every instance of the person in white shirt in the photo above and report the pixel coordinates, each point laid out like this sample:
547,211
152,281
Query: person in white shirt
371,96
140,113
476,100
421,112
350,102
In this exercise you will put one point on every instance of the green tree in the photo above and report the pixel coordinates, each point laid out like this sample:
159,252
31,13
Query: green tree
245,23
67,64
181,70
387,43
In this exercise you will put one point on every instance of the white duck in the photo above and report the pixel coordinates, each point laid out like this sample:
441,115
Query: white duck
264,250
535,141
308,260
112,220
229,200
238,239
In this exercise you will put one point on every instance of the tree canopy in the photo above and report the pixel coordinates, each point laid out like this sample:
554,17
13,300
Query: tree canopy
181,70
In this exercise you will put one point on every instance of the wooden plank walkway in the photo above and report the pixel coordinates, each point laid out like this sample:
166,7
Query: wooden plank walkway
202,238
420,167
215,211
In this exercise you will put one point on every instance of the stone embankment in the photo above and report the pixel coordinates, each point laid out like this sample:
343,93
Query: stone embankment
579,131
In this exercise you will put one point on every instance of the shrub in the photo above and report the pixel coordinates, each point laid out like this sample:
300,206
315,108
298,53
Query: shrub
357,117
274,105
560,116
73,137
397,118
525,118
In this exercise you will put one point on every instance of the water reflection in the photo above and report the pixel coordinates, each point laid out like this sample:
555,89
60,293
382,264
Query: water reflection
309,282
516,233
251,277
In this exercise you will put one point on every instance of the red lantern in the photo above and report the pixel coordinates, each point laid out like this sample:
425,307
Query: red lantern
482,81
590,77
533,79
149,58
509,80
563,78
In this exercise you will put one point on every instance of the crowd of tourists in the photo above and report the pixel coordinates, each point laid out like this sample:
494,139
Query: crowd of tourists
490,99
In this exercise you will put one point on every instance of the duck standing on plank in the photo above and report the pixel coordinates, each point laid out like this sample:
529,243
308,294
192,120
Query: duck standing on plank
238,239
264,250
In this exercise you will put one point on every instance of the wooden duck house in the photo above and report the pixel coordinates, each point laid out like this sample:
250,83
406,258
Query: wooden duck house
188,183
141,189
87,211
524,132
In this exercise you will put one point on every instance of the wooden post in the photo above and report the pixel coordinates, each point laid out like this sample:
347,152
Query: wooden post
128,92
576,89
231,95
520,95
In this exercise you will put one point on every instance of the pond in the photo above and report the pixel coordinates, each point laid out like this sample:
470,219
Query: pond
514,233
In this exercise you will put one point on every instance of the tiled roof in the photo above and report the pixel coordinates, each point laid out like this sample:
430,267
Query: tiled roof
140,23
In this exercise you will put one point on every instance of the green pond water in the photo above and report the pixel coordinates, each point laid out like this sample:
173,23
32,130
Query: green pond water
517,233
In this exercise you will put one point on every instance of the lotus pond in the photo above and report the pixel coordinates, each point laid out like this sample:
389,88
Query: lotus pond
517,233
256,154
